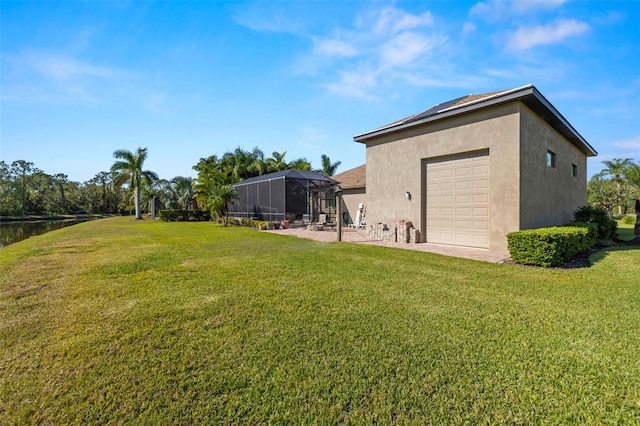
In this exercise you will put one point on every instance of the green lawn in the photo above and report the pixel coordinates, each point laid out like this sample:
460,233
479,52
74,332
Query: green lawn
118,321
625,231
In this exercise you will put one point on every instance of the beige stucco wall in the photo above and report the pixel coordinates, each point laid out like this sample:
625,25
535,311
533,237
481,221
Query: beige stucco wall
549,195
396,164
351,198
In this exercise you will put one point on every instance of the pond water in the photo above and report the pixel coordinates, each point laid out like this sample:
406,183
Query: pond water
12,232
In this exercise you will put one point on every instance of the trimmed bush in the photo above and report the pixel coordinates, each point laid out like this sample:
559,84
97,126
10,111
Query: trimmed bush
547,246
629,220
606,226
184,215
592,236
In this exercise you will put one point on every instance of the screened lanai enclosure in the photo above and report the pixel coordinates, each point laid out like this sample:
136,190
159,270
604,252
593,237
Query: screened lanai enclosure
289,194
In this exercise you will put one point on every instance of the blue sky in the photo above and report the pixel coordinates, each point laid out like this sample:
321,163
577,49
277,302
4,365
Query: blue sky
192,79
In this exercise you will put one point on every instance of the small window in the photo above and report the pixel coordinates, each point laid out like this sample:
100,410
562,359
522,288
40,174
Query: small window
551,159
574,170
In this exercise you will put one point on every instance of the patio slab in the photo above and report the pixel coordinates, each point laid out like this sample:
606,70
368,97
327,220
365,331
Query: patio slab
359,236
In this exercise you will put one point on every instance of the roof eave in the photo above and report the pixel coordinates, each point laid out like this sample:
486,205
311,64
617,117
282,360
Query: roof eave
529,95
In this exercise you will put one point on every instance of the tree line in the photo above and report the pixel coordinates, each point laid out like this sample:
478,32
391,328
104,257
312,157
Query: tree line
127,187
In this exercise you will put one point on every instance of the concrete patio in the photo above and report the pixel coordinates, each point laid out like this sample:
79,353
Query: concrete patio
359,236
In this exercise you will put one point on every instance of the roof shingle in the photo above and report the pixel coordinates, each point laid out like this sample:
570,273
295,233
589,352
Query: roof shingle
353,178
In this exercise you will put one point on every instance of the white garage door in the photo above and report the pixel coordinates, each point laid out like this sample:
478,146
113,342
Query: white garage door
458,200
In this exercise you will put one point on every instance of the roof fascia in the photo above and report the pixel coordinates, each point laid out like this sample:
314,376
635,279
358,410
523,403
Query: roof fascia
501,97
517,94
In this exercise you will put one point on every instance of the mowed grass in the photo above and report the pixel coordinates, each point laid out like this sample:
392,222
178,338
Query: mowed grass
118,321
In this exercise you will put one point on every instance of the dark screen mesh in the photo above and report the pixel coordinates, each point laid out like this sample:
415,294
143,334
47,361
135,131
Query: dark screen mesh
297,197
274,199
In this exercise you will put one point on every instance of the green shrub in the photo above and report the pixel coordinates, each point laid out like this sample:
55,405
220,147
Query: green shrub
606,226
184,215
548,246
592,235
629,220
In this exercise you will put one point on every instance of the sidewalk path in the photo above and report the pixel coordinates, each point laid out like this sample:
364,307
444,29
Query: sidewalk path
359,236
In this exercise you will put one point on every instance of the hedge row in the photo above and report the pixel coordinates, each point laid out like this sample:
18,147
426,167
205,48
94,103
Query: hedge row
551,246
184,215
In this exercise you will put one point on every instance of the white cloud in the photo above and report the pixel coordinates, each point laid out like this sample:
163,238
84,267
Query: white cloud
62,67
630,143
468,28
383,46
335,47
406,48
527,37
520,6
261,16
501,9
355,84
55,78
395,20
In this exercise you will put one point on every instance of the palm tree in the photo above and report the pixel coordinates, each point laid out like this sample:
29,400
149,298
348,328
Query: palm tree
276,163
129,170
616,169
328,168
183,187
257,166
632,174
220,200
243,164
300,164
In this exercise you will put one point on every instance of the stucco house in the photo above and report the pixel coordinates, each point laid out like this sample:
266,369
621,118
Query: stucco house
469,171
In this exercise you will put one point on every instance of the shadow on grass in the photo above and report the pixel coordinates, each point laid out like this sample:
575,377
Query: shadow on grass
602,254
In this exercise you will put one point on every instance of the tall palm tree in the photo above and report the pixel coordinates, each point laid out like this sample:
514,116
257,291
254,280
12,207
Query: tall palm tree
129,170
329,168
616,169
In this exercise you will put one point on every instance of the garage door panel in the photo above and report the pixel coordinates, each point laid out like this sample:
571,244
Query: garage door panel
481,225
457,210
462,172
447,186
463,224
481,184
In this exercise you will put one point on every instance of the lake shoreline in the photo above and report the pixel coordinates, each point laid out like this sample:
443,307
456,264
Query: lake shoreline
42,218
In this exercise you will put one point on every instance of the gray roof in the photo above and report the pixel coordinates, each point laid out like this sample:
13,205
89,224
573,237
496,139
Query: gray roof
290,174
353,178
528,95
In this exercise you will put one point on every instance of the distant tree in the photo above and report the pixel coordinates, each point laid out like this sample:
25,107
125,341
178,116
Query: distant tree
328,168
257,167
601,193
242,164
300,164
211,175
184,190
616,170
220,199
632,174
276,162
60,180
129,170
22,171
